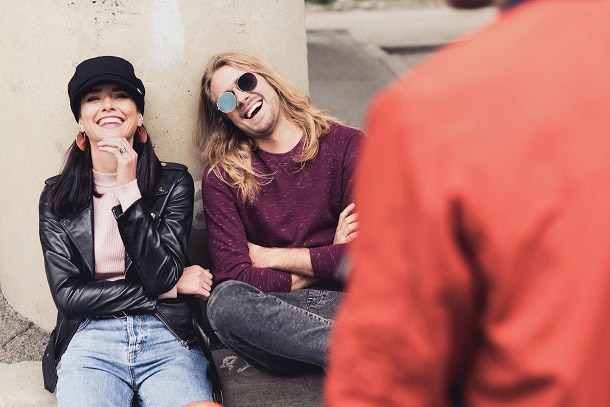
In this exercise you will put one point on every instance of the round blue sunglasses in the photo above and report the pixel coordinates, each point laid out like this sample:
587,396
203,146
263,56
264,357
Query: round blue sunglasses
227,102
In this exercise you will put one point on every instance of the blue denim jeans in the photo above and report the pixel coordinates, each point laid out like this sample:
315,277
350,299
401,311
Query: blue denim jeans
110,361
280,332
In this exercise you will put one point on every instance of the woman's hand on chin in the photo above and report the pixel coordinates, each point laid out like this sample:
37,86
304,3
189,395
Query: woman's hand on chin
126,158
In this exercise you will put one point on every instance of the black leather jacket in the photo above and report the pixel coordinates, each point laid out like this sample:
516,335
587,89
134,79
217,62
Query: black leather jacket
155,234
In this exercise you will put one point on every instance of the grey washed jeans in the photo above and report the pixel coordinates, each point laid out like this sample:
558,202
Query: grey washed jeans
280,332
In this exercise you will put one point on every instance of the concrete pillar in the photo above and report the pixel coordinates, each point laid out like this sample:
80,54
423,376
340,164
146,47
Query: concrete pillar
169,43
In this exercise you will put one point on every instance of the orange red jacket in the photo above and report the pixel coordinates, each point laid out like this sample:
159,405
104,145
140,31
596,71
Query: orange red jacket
482,266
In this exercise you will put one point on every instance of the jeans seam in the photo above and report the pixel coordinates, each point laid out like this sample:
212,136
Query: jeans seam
308,313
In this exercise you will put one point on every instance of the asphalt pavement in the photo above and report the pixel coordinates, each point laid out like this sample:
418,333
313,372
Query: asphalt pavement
354,51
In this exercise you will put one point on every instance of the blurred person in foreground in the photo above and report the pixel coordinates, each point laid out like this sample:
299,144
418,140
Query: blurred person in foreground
277,194
482,266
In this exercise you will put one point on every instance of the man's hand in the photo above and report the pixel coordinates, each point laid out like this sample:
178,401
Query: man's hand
196,281
299,282
347,229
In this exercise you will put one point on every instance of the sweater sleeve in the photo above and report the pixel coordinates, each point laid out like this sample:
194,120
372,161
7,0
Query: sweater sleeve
325,260
228,243
127,194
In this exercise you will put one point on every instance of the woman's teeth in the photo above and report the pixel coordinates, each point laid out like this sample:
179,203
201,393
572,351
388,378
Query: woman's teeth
108,120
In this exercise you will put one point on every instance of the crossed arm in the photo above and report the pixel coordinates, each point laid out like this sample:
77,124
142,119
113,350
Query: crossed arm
297,261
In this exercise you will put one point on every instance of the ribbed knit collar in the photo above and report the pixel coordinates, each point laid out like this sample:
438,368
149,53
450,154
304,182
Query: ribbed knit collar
103,180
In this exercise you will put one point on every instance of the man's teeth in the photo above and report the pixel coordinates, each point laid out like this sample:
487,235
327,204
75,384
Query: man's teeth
107,120
253,109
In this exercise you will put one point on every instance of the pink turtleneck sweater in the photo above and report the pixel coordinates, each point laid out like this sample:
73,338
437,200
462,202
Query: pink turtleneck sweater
108,245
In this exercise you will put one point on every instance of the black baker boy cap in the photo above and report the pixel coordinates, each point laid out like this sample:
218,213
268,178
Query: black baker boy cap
97,70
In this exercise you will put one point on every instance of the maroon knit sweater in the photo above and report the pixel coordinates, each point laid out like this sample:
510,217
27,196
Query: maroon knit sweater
299,208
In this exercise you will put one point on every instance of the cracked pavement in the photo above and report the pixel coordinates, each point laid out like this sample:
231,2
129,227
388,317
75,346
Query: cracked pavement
20,339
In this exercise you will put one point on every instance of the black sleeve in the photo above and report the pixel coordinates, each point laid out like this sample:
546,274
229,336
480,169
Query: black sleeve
158,245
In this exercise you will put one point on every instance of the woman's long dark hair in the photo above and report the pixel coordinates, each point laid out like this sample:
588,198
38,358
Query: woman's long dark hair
74,188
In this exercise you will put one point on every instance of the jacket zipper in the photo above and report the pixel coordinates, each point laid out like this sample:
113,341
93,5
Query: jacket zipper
182,341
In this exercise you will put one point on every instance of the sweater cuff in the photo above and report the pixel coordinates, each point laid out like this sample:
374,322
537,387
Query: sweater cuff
127,194
325,260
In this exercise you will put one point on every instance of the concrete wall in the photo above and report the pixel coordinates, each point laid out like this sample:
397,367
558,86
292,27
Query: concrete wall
168,41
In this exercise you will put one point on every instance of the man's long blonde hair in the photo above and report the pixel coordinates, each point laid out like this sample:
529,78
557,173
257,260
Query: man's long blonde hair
225,148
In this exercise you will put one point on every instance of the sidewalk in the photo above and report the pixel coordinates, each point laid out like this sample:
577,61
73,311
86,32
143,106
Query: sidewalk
358,49
21,347
347,67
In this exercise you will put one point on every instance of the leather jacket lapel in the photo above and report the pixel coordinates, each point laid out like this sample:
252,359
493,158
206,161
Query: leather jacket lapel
80,229
154,213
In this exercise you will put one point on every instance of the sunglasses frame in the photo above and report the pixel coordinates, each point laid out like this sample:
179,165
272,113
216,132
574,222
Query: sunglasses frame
232,100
